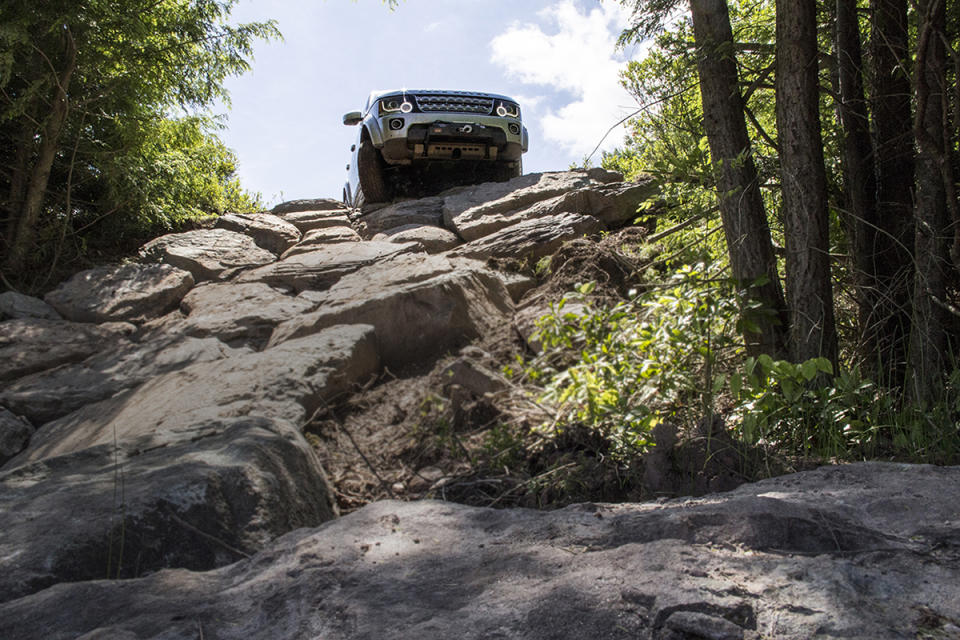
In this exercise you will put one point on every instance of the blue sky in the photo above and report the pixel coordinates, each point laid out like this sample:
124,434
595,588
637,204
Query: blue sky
557,57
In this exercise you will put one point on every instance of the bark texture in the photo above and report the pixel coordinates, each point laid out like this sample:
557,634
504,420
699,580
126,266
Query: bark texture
928,338
24,222
891,253
860,185
741,206
804,183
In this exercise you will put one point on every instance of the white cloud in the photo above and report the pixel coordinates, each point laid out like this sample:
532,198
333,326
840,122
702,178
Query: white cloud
577,57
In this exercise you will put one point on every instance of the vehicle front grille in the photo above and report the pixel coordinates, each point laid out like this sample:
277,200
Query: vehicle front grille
454,103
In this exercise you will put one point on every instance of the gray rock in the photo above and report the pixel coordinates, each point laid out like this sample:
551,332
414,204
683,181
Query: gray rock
319,269
150,503
318,238
15,435
51,394
614,204
518,284
425,211
270,232
687,625
472,376
15,306
531,239
209,254
310,220
432,239
239,312
419,305
478,211
130,292
310,204
31,345
856,551
286,383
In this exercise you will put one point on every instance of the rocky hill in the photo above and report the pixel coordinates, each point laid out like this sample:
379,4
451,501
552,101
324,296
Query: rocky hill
179,436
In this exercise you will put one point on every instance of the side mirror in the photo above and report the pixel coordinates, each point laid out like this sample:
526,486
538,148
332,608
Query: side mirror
353,118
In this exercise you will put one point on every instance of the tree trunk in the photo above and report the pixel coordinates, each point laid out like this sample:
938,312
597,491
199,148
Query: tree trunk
860,188
741,205
928,338
39,175
804,183
892,251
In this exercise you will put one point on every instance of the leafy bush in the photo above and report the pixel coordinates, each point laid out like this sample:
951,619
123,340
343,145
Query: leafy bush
673,353
622,370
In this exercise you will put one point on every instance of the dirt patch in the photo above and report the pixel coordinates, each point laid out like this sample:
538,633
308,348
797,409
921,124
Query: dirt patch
459,428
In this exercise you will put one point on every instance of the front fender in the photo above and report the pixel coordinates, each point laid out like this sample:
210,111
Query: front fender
372,127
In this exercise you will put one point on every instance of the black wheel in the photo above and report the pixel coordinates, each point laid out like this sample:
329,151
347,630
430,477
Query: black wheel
373,187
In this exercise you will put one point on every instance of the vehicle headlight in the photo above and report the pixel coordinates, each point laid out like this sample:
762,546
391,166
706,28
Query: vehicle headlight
395,105
508,109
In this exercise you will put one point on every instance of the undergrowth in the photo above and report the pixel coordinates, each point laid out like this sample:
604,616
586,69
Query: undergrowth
673,354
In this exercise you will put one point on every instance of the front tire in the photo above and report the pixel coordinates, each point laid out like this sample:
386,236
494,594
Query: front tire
373,186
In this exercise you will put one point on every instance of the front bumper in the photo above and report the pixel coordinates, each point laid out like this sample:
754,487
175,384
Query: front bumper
421,137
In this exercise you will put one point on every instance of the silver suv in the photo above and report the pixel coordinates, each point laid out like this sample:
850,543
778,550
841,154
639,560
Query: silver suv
409,139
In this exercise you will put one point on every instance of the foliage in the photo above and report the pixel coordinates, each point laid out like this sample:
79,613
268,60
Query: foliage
133,146
623,369
672,354
848,417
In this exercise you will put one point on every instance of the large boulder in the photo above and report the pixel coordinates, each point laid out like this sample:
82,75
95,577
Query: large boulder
131,292
14,306
420,306
531,239
31,345
208,254
307,221
239,312
856,551
270,232
319,238
474,212
51,394
287,383
425,211
308,204
432,239
152,502
321,268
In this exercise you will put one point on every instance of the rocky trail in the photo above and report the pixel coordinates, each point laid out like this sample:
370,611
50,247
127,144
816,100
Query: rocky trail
272,429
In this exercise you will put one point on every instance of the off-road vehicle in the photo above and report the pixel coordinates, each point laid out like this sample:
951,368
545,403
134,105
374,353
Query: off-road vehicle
412,141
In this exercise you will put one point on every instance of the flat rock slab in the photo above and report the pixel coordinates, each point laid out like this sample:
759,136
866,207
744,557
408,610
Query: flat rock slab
432,239
209,254
239,313
31,345
308,204
319,238
15,306
285,383
420,306
474,212
320,269
309,220
270,232
148,504
858,551
52,394
130,292
425,211
531,239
